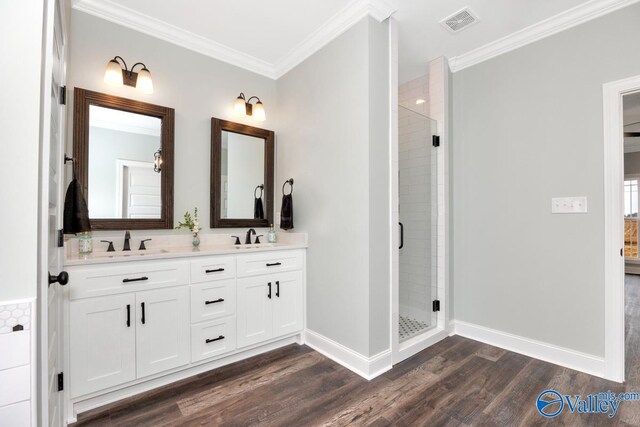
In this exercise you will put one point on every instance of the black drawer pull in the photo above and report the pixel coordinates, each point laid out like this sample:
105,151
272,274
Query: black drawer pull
221,337
128,315
217,270
214,301
137,279
278,289
142,306
271,264
269,294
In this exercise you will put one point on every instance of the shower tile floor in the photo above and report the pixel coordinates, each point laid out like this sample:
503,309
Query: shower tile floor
410,327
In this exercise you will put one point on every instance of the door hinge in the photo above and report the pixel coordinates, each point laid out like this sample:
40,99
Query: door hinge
60,238
436,140
621,252
60,381
63,95
436,305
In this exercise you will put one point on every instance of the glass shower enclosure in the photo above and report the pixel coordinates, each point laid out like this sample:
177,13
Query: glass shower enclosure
418,224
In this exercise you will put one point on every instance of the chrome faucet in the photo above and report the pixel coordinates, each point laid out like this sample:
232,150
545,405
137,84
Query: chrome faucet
247,241
127,237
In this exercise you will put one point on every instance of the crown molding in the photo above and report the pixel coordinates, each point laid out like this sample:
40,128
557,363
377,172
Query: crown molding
335,26
122,15
560,22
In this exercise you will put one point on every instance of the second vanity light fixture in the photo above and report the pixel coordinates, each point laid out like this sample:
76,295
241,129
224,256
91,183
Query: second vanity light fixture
243,107
118,74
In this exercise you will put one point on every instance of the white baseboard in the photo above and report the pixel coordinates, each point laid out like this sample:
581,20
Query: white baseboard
366,367
537,349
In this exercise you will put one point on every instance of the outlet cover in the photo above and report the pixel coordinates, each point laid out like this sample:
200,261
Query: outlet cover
560,205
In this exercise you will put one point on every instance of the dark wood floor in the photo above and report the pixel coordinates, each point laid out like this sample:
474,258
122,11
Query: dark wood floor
457,382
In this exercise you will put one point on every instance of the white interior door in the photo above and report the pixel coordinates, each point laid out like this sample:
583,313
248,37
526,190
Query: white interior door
141,187
52,181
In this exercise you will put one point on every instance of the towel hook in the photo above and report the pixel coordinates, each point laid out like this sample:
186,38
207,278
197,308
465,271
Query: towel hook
261,187
290,182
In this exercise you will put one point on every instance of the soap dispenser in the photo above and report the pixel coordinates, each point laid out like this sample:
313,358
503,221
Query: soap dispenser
271,235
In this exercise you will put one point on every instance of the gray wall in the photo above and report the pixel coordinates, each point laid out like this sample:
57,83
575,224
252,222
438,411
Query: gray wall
528,127
632,163
379,190
196,86
329,139
20,40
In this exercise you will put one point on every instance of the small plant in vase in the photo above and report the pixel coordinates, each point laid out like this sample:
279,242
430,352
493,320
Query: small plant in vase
191,222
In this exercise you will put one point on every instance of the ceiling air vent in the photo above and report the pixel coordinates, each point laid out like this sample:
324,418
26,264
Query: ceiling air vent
460,20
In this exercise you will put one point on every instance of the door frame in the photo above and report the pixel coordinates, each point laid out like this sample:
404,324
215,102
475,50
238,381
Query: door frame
614,352
54,17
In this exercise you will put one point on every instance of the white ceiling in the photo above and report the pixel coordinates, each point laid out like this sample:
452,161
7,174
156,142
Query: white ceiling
271,37
267,30
422,38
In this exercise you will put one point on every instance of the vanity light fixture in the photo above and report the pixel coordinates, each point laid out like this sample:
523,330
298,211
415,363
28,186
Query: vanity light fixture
118,74
157,161
242,106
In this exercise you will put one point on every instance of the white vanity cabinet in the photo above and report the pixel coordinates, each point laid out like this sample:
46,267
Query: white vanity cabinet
123,337
269,305
162,330
102,340
131,322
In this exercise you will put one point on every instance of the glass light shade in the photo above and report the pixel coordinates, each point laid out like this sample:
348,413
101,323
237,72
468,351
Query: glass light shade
113,73
239,106
144,83
258,112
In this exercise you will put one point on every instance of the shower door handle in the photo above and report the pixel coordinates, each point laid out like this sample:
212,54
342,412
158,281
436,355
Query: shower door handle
401,235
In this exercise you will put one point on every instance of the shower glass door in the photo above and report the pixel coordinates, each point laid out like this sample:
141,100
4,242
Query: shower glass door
418,219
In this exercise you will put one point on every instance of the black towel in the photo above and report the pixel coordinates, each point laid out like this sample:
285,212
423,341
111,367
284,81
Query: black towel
76,213
286,212
258,210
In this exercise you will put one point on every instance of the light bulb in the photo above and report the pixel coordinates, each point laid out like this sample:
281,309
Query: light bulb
144,83
258,112
239,106
113,73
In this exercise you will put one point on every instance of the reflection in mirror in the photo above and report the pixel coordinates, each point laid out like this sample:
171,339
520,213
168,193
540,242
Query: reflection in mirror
122,180
242,176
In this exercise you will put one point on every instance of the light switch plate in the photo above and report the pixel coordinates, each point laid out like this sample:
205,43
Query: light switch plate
561,205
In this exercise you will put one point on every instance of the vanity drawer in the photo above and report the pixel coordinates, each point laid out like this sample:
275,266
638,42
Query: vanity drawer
126,277
269,262
213,268
213,338
213,300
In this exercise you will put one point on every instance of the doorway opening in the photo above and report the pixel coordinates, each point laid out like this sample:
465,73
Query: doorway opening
621,197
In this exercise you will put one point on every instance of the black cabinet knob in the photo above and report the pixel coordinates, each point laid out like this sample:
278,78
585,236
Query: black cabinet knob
62,278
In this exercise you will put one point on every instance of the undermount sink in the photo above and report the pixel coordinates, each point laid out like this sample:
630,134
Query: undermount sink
131,253
258,246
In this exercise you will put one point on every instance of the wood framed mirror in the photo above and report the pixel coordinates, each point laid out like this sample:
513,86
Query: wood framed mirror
241,175
123,159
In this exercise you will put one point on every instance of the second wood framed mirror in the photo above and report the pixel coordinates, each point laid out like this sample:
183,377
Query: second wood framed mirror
242,165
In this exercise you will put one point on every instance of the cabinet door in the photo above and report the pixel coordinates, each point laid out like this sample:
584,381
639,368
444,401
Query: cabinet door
254,310
102,343
162,330
287,303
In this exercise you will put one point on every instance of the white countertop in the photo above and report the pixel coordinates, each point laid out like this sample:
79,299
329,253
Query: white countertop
174,247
